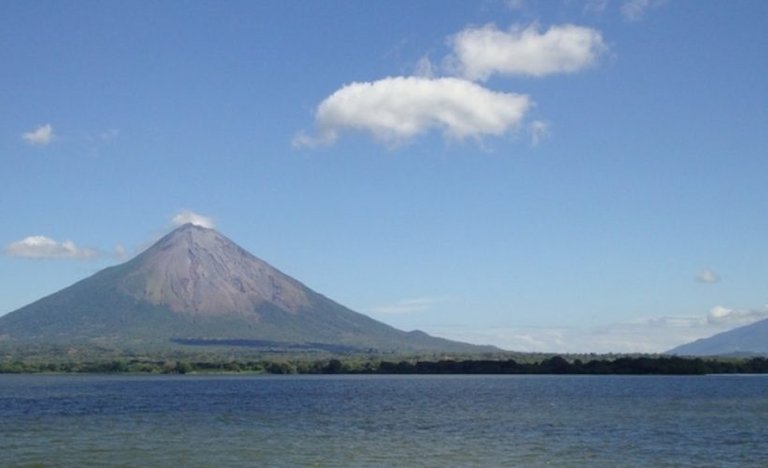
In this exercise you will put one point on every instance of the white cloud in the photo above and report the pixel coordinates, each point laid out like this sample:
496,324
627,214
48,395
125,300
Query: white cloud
190,217
481,52
394,110
408,306
707,276
718,313
41,247
42,135
539,131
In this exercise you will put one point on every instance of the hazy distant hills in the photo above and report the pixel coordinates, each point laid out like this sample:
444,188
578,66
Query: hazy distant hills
746,340
195,286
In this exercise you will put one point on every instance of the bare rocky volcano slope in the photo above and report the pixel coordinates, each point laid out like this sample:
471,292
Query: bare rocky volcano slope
197,271
195,286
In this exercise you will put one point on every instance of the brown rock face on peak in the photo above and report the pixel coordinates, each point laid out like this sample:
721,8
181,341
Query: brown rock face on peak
195,270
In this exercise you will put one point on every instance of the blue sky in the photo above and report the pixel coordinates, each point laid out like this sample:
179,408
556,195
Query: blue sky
539,175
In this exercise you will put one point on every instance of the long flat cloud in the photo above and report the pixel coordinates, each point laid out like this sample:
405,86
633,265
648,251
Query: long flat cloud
41,247
481,52
394,110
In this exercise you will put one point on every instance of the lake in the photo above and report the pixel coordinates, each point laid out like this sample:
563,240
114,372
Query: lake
96,420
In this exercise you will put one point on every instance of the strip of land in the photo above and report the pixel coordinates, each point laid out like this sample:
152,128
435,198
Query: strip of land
627,365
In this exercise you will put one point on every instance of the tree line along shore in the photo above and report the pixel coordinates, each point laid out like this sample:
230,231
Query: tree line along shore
642,365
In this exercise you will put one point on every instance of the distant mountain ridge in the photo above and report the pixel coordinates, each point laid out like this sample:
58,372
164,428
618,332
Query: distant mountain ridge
196,287
747,340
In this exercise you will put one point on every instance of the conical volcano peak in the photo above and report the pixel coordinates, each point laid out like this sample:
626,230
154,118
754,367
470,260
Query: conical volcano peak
192,227
189,226
192,233
189,239
196,270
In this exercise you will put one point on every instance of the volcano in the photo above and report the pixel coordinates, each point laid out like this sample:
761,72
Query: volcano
196,287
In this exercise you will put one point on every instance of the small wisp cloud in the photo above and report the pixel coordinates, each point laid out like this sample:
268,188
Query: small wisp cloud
40,136
539,131
190,217
707,276
635,10
42,247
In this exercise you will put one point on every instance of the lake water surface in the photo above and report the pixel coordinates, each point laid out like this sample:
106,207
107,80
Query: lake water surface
87,420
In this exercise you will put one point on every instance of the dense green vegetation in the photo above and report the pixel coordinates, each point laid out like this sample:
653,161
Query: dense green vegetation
658,365
627,365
